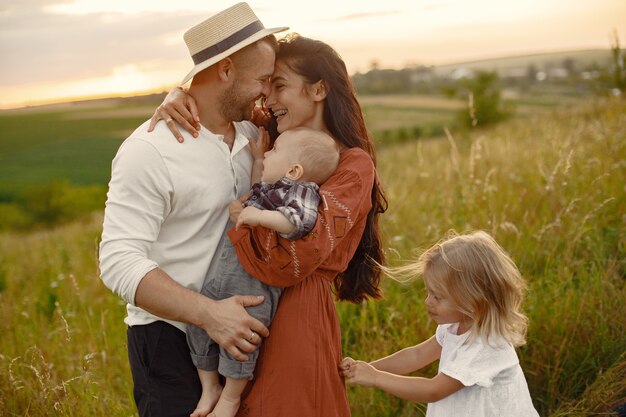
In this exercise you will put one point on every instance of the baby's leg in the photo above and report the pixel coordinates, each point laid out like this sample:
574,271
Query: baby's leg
211,390
228,403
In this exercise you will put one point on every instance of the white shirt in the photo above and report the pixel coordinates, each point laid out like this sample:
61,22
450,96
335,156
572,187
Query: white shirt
167,207
494,382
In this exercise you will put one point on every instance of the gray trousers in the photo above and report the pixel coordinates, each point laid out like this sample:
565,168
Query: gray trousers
228,279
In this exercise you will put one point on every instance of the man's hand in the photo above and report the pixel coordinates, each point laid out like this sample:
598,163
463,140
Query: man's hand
228,323
181,107
249,215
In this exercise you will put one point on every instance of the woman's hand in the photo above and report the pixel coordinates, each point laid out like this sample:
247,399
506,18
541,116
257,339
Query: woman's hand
181,107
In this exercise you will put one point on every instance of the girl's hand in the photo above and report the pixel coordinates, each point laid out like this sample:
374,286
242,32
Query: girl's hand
261,145
346,363
236,207
249,215
181,107
359,372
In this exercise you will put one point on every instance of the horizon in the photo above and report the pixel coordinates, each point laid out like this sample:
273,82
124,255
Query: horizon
113,96
128,49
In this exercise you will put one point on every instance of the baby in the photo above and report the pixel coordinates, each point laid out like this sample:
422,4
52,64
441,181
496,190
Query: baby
285,200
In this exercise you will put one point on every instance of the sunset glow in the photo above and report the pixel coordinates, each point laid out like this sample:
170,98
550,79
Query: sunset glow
58,49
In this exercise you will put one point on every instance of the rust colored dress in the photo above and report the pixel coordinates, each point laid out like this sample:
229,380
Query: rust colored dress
297,372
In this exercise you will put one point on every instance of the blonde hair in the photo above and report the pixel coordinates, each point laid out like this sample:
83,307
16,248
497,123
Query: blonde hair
318,154
480,280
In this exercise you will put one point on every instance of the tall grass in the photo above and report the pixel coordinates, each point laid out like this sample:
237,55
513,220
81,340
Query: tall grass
62,349
550,189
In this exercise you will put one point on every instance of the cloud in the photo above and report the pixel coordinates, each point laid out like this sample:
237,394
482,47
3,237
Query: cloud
365,15
36,45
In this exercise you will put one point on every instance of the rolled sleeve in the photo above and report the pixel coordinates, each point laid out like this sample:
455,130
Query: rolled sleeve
300,208
137,203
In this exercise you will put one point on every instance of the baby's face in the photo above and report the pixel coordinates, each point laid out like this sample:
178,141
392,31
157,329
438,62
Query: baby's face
279,160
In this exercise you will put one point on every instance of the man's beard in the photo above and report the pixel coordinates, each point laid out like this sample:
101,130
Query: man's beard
234,106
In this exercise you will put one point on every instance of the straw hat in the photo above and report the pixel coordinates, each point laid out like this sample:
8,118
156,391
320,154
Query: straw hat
222,35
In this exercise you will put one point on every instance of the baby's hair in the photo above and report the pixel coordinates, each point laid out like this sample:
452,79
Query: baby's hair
480,280
319,154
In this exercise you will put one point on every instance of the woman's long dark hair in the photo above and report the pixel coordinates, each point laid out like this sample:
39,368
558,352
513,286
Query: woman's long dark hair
314,61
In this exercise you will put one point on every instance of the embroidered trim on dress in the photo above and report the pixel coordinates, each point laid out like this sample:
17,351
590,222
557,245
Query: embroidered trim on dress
331,238
341,206
296,261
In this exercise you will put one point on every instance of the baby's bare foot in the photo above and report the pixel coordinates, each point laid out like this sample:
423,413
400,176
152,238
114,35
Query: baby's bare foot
208,399
226,407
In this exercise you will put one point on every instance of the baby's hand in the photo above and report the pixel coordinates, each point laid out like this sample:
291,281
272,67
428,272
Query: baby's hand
358,372
249,215
260,146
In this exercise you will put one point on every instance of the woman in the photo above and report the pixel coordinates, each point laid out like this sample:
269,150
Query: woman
297,370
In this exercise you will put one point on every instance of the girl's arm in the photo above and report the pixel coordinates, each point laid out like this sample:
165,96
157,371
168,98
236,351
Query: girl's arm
408,388
387,373
410,359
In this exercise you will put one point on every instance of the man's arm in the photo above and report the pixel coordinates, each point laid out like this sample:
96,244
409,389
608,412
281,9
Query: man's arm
226,321
137,204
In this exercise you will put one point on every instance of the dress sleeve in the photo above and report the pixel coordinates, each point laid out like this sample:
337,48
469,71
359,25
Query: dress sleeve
300,208
276,261
478,363
441,333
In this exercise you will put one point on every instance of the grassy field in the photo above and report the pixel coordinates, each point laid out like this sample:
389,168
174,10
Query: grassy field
550,188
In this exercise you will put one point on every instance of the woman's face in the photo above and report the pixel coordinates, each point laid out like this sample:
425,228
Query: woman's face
291,101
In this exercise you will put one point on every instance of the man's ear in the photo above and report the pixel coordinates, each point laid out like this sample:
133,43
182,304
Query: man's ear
225,69
319,91
295,172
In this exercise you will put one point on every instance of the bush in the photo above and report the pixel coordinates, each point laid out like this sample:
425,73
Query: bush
12,216
50,204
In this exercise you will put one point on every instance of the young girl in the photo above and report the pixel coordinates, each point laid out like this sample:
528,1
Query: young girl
474,295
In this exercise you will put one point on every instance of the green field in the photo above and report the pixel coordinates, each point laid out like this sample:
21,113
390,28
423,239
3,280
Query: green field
548,186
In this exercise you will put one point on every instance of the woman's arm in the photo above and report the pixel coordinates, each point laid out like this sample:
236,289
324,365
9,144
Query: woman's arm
410,359
181,107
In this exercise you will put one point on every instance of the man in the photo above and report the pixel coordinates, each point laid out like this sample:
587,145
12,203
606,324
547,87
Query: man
166,214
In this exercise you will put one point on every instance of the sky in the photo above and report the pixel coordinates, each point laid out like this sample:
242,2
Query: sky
56,50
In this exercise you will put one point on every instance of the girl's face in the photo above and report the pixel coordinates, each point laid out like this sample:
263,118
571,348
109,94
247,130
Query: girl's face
291,101
440,307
